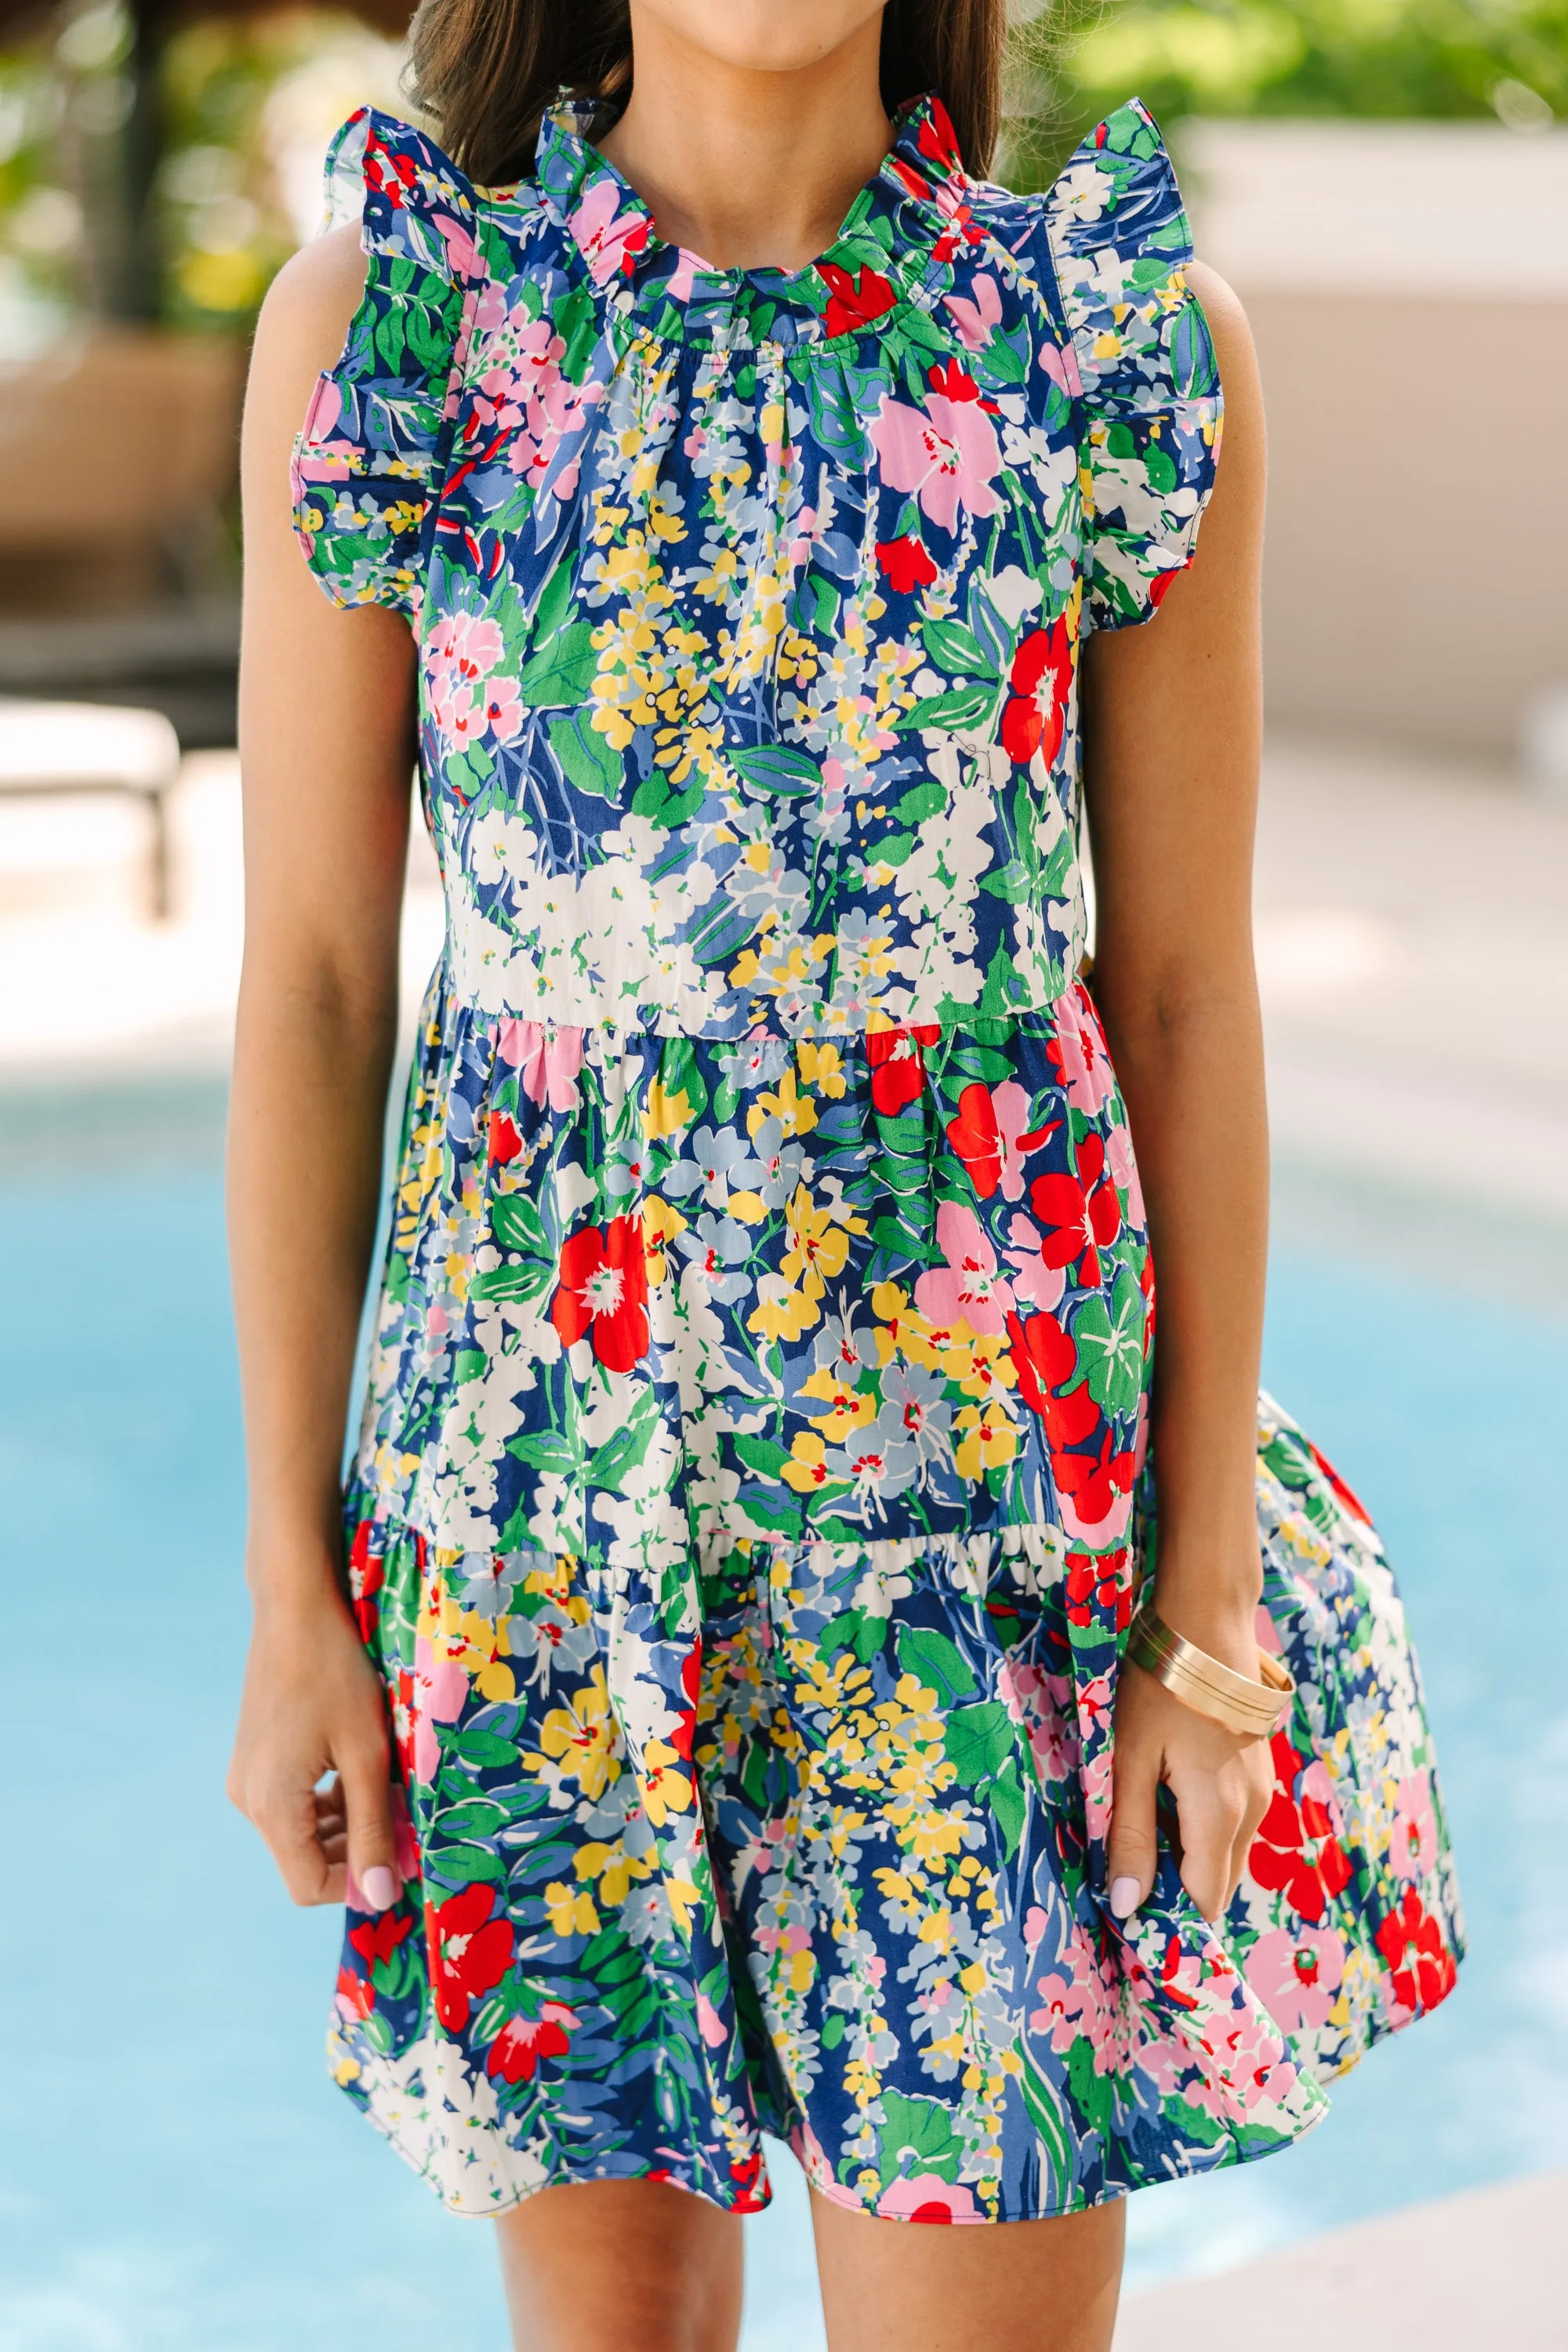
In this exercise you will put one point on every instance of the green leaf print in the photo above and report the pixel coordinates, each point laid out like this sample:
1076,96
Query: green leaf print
546,1449
762,1455
615,1460
965,706
923,801
515,1285
955,649
1110,1345
1044,2105
1006,1797
775,769
463,1866
935,1661
586,756
920,2129
563,671
517,1225
978,1740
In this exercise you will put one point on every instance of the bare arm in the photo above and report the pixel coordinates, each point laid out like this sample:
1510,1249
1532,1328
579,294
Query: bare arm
326,740
1172,732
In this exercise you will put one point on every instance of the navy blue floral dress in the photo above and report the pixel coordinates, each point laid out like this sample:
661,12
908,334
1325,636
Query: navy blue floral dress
752,1491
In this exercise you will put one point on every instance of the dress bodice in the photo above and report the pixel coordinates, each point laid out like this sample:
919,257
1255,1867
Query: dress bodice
749,604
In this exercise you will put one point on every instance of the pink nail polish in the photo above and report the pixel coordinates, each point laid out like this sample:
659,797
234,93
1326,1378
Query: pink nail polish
1124,1897
379,1887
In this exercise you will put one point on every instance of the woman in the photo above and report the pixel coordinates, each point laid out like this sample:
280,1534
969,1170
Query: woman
747,514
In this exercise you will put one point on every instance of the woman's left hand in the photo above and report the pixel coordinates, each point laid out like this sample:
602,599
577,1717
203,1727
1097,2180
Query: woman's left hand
1222,1785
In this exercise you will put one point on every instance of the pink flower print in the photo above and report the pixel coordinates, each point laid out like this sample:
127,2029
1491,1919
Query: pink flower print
1036,1922
547,1061
1123,1167
1414,1846
1059,361
927,2197
976,320
710,2024
967,1288
608,238
1032,1277
1077,1050
440,1689
948,455
1296,1972
1037,1702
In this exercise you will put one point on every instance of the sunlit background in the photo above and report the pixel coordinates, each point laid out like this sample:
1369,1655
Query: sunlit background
1386,183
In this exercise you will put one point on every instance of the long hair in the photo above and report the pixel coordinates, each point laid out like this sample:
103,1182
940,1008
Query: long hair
485,70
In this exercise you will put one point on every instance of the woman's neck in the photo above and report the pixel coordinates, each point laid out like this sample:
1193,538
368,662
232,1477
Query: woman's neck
749,168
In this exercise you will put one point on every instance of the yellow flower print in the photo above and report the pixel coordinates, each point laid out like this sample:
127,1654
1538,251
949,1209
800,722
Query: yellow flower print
665,1114
846,1409
663,1782
580,1736
571,1911
796,1112
817,1248
781,1312
749,1207
683,1899
981,1364
615,1870
989,1443
660,1224
821,1066
806,1468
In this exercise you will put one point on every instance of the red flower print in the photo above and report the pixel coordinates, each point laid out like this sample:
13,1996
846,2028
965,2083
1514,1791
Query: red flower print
367,1574
377,1938
897,1067
854,301
1094,1480
906,564
603,1292
953,381
1347,1494
746,2172
991,1134
1044,1358
1035,714
1083,1212
522,2041
470,1952
505,1140
357,1996
685,1731
1100,1585
1420,1964
1296,1853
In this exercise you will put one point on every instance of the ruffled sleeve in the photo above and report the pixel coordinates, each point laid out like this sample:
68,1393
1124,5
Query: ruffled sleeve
370,459
1151,394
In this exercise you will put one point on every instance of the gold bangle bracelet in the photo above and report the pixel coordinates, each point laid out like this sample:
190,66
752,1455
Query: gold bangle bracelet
1250,1709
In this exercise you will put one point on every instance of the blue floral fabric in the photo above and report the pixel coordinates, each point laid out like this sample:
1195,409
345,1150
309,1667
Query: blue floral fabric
754,1483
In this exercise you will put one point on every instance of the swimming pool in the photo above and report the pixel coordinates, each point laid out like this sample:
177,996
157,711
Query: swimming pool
178,2173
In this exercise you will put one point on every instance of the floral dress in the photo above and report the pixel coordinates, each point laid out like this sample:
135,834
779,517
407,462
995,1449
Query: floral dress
752,1493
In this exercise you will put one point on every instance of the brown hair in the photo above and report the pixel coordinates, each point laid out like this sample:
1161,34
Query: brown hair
485,70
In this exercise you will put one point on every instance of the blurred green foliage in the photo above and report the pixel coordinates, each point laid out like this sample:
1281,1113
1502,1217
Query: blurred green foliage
1077,61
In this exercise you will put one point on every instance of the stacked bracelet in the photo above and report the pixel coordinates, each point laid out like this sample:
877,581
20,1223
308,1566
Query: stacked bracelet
1251,1709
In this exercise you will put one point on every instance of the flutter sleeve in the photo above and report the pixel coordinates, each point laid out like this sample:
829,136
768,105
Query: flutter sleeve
370,459
1150,394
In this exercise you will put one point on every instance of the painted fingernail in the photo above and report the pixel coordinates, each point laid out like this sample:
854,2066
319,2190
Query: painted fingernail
1123,1897
380,1889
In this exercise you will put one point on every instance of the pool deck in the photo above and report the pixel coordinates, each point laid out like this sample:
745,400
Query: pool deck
1462,2275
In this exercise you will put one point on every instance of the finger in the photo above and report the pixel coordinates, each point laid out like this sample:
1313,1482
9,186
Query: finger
372,1880
1260,1791
1135,1849
286,1818
1208,1834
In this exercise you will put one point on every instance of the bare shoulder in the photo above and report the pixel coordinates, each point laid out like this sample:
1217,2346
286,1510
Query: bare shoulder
308,305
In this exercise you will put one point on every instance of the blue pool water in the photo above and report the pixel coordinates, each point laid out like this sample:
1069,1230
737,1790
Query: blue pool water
175,2172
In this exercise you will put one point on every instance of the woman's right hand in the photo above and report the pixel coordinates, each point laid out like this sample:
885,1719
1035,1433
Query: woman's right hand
311,1705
